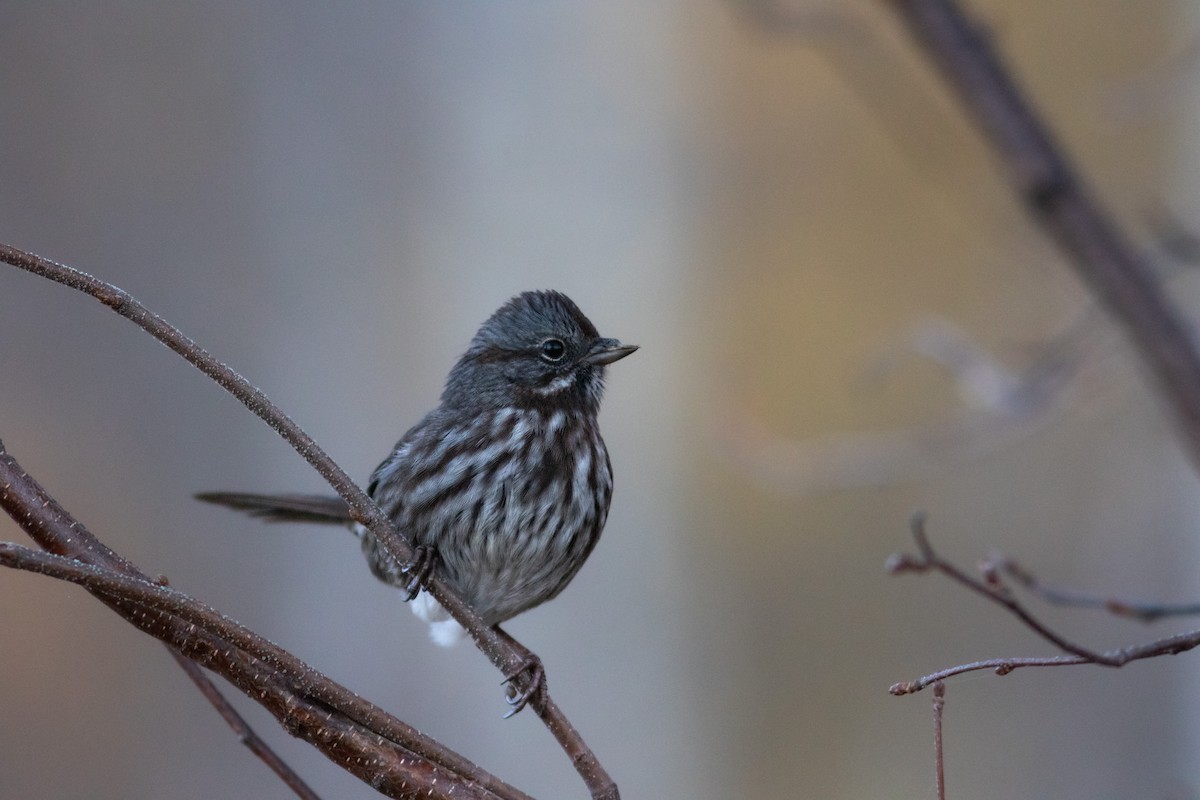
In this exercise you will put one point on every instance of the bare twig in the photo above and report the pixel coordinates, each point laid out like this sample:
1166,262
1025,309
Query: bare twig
992,587
939,759
1133,609
1058,201
246,735
369,743
1001,666
506,657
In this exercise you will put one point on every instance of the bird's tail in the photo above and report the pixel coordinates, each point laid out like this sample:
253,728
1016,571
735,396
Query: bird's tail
284,507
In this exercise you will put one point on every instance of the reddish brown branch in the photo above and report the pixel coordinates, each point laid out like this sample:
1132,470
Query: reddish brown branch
246,735
361,738
1057,199
508,659
51,527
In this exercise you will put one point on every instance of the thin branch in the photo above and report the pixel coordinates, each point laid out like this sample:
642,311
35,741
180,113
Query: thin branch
992,587
1001,666
19,493
1054,195
366,741
1141,611
246,735
939,750
49,524
507,659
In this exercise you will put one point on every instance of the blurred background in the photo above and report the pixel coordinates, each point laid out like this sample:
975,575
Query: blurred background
836,299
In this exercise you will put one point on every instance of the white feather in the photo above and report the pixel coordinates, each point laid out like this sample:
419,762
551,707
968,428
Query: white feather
443,630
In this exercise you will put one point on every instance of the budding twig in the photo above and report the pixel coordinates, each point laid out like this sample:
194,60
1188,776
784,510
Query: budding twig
991,585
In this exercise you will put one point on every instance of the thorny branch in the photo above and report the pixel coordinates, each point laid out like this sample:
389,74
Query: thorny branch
509,658
991,585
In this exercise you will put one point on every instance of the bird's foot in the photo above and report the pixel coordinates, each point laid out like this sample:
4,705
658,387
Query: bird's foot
524,683
418,570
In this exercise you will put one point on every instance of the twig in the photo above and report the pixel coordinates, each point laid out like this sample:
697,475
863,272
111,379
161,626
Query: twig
361,738
506,658
992,587
1056,198
939,707
246,735
1133,609
1001,666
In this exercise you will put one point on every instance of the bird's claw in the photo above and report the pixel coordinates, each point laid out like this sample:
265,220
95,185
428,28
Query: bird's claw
418,571
524,683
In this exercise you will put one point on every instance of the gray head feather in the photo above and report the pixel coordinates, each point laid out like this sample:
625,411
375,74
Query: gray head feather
532,352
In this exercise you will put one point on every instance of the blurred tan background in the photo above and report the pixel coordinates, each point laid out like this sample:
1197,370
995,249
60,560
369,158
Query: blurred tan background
331,197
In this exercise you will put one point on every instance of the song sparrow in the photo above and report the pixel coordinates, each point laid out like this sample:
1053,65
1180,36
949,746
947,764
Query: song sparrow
507,482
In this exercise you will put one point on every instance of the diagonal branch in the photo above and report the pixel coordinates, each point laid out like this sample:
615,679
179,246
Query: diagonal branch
509,659
361,738
19,494
1141,611
394,765
246,735
1057,199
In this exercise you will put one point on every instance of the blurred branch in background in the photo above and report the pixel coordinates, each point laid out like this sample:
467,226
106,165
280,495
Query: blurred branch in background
1058,201
999,405
510,657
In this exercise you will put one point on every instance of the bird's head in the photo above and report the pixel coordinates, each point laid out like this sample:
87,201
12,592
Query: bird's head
538,349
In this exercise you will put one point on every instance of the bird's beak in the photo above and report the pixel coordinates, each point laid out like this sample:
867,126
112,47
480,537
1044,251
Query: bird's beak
606,351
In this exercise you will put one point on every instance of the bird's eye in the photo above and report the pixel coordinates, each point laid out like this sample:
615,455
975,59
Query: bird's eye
553,349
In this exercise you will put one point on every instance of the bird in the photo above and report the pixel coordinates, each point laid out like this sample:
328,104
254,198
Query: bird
504,488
